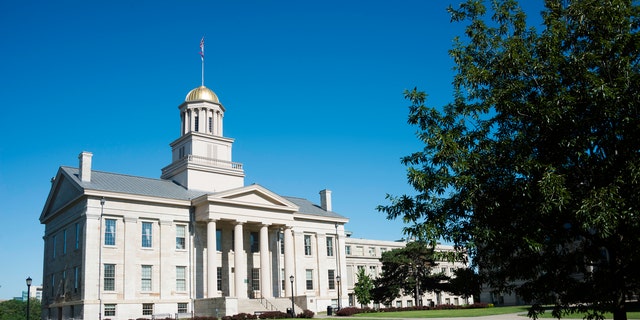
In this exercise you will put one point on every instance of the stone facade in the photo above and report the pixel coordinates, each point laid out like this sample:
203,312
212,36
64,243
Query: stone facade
196,241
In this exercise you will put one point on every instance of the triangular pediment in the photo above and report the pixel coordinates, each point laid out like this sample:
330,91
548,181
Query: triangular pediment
63,191
255,196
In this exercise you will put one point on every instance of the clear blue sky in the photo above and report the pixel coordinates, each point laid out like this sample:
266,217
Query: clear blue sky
313,93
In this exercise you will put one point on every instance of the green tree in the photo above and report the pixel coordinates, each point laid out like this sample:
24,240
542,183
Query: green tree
407,271
466,283
17,309
363,287
534,167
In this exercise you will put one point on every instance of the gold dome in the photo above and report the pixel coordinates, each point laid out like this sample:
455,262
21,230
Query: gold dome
202,93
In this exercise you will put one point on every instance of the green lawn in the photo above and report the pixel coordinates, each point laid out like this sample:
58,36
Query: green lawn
459,313
445,313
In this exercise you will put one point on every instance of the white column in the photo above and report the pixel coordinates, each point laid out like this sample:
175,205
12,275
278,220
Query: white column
240,263
265,271
166,270
212,267
220,116
288,260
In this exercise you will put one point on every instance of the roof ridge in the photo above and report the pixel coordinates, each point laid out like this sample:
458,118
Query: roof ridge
120,174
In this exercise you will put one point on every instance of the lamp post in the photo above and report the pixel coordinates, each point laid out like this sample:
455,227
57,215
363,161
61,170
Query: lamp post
28,295
293,312
102,201
338,281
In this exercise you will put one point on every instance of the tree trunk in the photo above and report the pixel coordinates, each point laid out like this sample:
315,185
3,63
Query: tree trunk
620,313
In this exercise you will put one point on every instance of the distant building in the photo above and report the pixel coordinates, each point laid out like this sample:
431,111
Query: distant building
36,293
197,240
365,254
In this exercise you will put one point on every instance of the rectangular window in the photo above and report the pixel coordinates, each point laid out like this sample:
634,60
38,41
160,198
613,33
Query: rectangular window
77,235
329,246
147,234
254,242
197,123
147,309
54,245
182,307
110,310
331,274
53,284
409,303
373,271
307,245
110,232
219,278
399,304
64,241
359,251
109,277
181,231
181,278
443,270
281,238
218,240
372,251
284,281
255,279
146,278
76,279
210,124
347,250
309,279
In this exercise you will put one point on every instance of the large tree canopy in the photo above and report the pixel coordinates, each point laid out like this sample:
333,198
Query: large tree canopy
534,167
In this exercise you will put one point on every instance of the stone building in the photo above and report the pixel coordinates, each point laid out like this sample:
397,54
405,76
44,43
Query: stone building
196,241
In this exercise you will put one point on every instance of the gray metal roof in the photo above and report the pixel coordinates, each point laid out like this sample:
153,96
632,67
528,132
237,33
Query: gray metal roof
121,183
307,207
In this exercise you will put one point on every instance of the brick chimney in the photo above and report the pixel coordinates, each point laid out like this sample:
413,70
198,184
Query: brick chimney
325,199
85,166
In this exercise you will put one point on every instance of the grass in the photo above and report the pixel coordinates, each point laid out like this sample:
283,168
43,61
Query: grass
633,312
477,312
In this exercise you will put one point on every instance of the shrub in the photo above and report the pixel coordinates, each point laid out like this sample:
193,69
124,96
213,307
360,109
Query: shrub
273,315
348,311
306,314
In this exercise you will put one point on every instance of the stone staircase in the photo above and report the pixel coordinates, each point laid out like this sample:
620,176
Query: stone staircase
261,305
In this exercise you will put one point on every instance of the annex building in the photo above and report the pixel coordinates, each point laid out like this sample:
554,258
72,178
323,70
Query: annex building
197,240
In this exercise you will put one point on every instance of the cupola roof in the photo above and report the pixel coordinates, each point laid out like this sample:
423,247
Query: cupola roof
202,93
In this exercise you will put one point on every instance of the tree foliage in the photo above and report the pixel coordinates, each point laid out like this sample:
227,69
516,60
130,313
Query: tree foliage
534,167
17,309
407,271
363,288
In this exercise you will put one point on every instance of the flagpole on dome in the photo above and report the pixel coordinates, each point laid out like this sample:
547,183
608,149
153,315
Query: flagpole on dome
202,58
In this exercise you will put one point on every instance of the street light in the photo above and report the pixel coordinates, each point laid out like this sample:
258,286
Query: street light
28,294
338,281
100,232
293,312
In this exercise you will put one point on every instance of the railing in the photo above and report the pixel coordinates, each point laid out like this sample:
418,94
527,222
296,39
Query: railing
214,162
267,304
